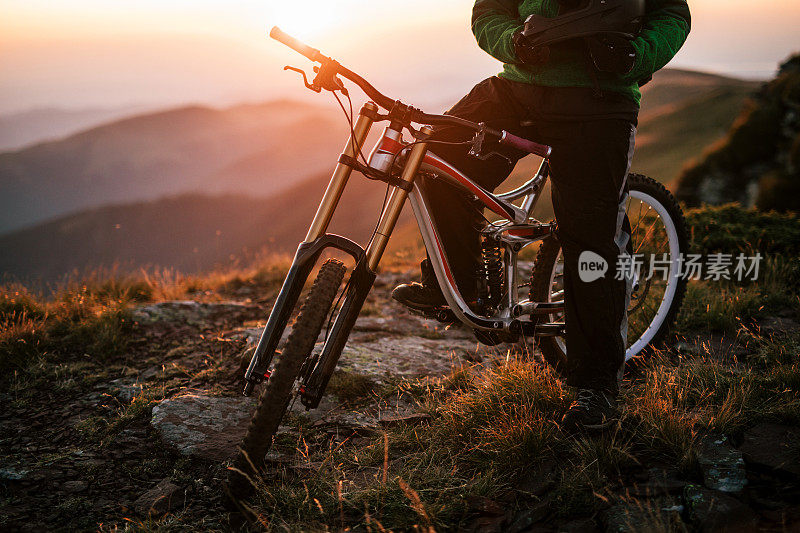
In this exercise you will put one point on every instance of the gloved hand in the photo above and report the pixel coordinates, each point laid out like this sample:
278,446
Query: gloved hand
527,54
612,53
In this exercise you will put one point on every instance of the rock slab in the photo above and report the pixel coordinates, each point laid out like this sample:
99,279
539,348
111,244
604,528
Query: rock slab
710,511
722,465
189,311
207,427
773,446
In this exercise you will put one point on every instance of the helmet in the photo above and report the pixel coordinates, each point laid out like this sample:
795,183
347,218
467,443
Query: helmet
585,18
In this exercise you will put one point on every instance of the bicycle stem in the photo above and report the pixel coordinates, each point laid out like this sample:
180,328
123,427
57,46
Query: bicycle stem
395,204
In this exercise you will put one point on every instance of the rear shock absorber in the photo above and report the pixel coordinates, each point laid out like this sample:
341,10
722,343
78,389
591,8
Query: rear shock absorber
492,254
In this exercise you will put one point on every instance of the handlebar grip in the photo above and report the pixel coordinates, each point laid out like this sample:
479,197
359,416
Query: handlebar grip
509,139
298,46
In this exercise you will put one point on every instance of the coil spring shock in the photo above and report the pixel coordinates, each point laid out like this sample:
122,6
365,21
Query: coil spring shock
492,254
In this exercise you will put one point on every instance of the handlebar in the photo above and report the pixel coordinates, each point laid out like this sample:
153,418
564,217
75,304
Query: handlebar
330,67
525,145
301,48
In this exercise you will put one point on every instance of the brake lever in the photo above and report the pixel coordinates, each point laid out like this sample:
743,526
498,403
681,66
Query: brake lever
328,80
476,150
314,88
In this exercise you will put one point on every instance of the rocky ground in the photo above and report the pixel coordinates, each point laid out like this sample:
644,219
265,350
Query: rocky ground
98,450
149,434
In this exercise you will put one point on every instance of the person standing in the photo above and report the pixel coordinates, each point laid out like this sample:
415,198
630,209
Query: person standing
570,79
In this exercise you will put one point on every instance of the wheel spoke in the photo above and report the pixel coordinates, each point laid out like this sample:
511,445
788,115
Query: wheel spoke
647,235
638,219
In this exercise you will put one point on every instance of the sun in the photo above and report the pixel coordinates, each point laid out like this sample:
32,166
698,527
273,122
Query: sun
307,19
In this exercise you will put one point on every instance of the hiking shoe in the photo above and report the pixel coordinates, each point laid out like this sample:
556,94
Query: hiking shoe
417,296
421,296
592,410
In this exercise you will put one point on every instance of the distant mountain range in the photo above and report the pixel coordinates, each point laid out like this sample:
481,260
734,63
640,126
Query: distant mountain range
253,149
248,178
190,233
34,126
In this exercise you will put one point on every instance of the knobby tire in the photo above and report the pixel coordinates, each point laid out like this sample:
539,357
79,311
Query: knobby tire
278,390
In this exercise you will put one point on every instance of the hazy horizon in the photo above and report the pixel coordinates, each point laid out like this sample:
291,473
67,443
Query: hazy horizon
152,54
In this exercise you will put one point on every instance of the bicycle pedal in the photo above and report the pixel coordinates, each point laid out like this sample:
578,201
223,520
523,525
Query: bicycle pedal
550,329
442,314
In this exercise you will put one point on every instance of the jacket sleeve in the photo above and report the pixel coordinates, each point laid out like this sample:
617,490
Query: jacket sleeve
493,24
666,27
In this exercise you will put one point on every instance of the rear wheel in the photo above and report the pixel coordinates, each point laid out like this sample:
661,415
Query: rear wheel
657,228
279,388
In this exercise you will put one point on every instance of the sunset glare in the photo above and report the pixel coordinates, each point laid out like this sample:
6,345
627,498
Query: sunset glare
307,20
158,53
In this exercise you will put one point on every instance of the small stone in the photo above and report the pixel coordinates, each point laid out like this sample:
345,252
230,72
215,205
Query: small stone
160,499
722,465
149,373
125,389
74,486
778,326
774,447
13,473
710,511
487,524
581,525
409,419
524,519
485,505
685,347
658,483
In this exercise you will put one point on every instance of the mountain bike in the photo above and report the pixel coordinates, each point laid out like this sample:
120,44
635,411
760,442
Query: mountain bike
504,312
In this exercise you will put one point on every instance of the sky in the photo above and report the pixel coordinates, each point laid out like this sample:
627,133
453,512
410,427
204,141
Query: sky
77,54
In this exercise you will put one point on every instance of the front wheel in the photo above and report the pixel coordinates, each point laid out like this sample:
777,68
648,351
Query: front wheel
657,228
279,388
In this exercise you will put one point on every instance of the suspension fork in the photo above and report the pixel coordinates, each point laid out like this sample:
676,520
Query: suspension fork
308,252
361,281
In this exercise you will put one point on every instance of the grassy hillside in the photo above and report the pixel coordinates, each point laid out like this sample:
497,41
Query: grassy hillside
758,161
670,88
670,137
191,149
707,440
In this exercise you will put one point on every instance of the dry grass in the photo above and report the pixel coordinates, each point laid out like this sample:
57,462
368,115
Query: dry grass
69,336
492,432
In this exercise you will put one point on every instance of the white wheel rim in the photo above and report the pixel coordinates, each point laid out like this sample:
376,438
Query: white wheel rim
672,280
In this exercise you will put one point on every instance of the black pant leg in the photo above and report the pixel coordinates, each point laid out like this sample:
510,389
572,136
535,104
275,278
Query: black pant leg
589,165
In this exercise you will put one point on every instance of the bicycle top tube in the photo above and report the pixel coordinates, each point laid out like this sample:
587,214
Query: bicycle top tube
330,68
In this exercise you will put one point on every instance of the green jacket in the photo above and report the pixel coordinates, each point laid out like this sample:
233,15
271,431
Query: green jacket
666,27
